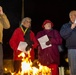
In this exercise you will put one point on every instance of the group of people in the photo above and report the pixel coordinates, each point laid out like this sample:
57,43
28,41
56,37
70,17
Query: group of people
47,55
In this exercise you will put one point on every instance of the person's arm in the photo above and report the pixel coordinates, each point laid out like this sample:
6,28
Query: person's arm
4,19
13,40
56,39
66,31
35,42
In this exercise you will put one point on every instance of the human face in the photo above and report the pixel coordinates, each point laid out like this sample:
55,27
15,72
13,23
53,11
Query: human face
73,17
47,26
27,23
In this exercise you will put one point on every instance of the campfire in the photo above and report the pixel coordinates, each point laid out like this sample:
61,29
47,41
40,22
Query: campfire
32,68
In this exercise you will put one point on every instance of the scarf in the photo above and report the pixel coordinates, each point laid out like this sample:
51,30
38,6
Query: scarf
27,35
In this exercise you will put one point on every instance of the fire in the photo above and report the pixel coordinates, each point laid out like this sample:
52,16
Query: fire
27,67
5,69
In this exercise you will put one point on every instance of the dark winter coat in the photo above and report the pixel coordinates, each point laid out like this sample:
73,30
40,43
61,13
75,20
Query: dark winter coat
49,55
69,35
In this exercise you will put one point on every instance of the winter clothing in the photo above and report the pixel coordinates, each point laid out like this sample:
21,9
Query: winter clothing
4,24
70,36
47,21
18,36
49,55
48,43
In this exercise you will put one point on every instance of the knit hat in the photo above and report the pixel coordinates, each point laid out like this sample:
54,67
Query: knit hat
47,21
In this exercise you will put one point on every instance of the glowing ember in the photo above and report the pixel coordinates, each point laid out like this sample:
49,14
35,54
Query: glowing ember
27,67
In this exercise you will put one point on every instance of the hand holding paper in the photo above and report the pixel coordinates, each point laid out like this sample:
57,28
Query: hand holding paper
48,43
75,21
22,46
42,40
28,48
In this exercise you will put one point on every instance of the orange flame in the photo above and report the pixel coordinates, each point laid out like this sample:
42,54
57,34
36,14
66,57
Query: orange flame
28,69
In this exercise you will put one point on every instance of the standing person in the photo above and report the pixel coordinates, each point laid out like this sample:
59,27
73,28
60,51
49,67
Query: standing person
4,24
23,33
68,32
49,56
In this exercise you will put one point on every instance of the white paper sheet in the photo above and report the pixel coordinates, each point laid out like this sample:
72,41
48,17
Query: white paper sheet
75,21
22,46
42,40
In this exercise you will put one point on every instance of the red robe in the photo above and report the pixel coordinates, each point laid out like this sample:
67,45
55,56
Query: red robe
18,36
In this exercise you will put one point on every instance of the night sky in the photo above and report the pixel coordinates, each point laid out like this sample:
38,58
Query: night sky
55,10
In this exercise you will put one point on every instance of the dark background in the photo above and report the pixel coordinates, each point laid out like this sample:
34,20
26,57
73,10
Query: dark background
55,10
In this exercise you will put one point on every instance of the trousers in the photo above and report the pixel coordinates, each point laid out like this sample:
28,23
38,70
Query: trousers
1,59
72,61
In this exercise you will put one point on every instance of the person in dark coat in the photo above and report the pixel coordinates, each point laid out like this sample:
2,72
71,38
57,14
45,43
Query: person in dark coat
68,32
49,56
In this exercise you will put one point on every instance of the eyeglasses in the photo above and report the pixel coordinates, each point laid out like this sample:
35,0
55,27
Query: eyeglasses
28,21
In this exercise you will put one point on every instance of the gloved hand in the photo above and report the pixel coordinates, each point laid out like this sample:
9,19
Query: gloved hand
48,43
28,48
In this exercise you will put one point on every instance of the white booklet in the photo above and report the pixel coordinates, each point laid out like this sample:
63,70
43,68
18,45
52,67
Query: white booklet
75,21
22,46
42,40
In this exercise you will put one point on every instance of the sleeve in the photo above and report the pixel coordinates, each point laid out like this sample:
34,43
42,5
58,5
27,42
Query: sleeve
57,38
65,31
38,36
5,21
34,40
13,40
